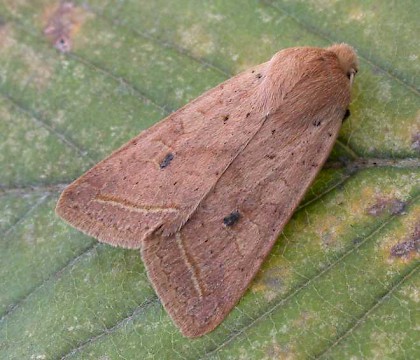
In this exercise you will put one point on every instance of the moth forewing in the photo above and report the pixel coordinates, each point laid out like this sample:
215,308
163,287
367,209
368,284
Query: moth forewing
205,192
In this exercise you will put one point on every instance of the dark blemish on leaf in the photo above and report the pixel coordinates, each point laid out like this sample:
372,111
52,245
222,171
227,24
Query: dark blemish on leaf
273,281
167,160
247,114
232,218
346,115
253,71
378,208
273,132
357,240
62,22
63,45
270,156
397,207
259,76
316,122
415,142
329,134
405,248
328,240
226,118
390,206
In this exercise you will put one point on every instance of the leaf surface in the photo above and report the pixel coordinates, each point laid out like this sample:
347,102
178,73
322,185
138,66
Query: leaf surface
342,280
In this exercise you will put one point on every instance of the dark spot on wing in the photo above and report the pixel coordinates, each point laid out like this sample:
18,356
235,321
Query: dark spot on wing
259,76
232,218
167,160
316,122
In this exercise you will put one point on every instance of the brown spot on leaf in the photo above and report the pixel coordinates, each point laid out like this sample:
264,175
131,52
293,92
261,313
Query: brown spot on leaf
397,207
415,142
63,21
390,206
408,247
276,351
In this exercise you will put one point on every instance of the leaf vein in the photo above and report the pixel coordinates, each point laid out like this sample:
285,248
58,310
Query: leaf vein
53,277
314,30
235,334
377,303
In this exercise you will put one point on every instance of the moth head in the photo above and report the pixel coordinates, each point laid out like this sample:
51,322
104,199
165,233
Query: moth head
347,59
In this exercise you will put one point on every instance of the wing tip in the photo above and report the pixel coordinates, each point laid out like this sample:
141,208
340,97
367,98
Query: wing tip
70,212
194,316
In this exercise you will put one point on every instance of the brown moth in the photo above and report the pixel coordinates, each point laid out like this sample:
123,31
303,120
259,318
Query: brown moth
205,192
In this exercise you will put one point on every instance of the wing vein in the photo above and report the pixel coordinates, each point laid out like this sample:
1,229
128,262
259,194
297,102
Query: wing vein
130,206
190,265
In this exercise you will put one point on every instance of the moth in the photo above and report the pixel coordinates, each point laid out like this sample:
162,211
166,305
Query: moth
204,193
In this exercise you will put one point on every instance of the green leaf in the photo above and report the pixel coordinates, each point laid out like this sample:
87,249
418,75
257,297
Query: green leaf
342,280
